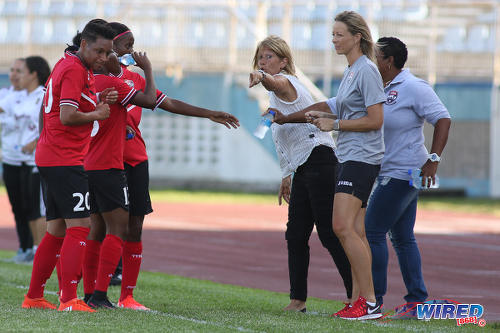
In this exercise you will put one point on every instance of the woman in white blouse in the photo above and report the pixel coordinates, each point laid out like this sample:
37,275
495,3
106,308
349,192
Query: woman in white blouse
20,113
307,154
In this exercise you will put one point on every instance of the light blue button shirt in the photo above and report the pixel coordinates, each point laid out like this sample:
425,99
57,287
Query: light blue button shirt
410,102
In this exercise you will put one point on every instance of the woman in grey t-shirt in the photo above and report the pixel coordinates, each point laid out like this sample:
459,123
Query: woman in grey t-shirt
358,116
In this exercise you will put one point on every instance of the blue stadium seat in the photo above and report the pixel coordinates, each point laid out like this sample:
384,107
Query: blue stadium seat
3,30
302,12
16,31
321,36
274,29
453,40
63,31
13,7
148,32
245,39
478,39
41,30
301,36
275,13
84,8
59,7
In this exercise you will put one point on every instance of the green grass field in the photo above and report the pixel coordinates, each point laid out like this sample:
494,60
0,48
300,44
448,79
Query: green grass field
189,305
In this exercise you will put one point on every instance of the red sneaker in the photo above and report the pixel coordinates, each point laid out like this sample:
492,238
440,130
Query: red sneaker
130,303
362,311
346,307
75,304
37,303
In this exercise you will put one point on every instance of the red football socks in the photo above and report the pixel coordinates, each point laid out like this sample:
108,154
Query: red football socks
90,265
111,251
45,260
72,253
132,259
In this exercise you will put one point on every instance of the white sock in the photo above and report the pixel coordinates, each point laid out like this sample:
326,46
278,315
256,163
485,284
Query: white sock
371,303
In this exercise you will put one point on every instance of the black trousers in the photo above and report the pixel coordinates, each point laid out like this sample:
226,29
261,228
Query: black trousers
311,203
18,181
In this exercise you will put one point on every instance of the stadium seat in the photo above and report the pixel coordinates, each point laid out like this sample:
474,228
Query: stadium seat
13,7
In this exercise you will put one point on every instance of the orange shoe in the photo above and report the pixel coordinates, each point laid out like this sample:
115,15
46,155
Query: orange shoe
37,303
130,303
75,304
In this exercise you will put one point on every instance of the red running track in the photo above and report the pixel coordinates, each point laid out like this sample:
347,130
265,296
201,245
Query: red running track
244,245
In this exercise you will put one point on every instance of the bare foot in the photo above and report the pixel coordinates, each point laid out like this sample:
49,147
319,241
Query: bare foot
295,305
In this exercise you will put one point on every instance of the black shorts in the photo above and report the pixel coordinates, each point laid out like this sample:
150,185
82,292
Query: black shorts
37,207
356,178
138,189
108,190
65,192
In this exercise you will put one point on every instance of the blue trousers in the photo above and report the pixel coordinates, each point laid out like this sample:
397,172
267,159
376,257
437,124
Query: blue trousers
392,209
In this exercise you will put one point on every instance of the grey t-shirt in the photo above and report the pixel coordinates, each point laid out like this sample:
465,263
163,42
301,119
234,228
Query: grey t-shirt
410,101
360,88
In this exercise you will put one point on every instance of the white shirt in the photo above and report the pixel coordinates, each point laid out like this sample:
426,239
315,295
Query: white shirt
295,141
20,125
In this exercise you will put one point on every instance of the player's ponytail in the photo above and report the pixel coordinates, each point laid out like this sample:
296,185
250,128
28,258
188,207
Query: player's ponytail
76,43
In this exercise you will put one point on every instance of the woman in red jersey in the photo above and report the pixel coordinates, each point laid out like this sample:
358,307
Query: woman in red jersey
70,107
107,182
136,165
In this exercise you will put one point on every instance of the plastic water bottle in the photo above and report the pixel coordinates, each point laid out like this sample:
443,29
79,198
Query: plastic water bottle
127,60
416,180
264,125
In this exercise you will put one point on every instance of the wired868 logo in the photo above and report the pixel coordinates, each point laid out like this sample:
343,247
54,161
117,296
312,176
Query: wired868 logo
462,313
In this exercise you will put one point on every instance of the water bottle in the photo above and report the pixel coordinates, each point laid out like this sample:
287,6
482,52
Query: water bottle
127,60
416,180
264,125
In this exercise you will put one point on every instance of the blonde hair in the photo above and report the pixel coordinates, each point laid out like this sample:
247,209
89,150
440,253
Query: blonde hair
357,24
282,50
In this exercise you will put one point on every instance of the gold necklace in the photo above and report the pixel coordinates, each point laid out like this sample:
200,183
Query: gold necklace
387,83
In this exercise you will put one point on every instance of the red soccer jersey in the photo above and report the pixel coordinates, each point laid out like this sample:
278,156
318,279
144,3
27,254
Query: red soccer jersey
70,83
135,149
108,135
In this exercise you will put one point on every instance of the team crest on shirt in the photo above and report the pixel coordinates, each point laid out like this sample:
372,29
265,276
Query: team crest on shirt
391,99
130,83
350,76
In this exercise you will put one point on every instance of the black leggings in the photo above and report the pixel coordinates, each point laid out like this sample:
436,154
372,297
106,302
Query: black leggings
18,181
311,203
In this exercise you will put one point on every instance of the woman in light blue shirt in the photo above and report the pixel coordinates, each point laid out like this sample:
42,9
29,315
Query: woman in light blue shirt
358,116
393,204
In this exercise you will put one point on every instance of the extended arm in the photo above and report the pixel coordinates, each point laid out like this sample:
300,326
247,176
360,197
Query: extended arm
300,116
180,107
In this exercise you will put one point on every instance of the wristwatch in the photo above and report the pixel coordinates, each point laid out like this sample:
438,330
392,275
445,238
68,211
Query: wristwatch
336,125
434,157
263,74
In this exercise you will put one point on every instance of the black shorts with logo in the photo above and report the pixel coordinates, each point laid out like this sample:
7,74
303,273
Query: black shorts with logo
108,190
138,187
65,192
356,178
